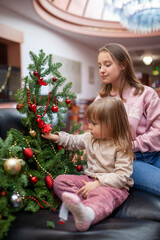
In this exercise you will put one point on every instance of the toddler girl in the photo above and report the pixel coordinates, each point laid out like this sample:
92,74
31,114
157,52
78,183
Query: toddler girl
93,196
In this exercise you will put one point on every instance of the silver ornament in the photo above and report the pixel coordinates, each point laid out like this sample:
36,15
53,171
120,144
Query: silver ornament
16,199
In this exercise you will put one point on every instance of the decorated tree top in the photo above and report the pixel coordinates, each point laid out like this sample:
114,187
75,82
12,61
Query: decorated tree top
38,107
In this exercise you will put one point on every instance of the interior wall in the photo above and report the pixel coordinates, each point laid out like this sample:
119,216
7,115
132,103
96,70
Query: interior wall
38,37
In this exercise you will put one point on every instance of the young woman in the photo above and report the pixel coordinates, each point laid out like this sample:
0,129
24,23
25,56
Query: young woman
142,104
104,187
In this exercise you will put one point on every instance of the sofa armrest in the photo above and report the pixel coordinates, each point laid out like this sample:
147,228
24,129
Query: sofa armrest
11,118
141,205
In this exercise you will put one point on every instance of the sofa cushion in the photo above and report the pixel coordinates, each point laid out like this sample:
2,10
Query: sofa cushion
138,217
140,205
32,226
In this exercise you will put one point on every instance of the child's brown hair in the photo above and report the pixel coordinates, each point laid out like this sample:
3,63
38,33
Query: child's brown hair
111,112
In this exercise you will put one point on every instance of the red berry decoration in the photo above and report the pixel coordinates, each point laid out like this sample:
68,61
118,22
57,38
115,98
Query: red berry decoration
79,168
49,182
40,122
3,193
54,79
68,101
54,109
33,180
32,107
28,152
59,147
19,106
35,73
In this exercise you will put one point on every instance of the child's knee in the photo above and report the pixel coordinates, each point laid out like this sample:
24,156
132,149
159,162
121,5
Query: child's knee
58,181
58,185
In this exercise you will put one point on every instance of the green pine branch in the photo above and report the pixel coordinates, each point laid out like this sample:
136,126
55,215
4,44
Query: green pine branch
47,159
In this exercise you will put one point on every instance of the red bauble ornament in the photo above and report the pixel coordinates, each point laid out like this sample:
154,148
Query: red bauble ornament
33,180
54,79
40,122
35,73
49,182
68,101
59,147
54,109
19,106
28,152
79,168
32,107
3,193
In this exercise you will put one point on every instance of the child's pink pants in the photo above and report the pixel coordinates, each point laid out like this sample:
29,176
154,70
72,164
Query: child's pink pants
103,200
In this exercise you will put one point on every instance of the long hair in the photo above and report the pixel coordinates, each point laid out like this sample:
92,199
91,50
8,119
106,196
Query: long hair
120,54
111,112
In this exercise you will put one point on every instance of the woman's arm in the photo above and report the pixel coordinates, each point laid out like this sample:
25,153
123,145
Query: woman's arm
149,141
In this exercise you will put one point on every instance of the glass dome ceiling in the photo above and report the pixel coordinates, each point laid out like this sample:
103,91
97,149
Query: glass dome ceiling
89,17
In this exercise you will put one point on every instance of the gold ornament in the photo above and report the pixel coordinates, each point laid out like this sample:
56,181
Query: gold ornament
12,166
32,133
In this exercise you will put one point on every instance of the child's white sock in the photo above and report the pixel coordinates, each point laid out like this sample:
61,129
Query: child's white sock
63,214
83,215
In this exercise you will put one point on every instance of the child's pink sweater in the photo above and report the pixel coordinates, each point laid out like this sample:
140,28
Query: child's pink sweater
144,118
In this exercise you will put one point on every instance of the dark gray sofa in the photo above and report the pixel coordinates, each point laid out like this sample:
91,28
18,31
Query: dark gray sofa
137,219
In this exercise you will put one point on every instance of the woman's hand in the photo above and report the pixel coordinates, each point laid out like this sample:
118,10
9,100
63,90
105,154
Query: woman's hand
53,137
88,187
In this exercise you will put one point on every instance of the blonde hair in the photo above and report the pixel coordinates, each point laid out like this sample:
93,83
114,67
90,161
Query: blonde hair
111,112
120,54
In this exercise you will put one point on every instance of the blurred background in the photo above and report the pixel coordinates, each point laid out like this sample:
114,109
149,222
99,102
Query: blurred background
73,31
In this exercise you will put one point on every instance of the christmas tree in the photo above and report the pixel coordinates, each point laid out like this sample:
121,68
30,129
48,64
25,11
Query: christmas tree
29,163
